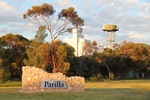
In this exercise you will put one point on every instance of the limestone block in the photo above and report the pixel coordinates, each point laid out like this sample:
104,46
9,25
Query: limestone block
28,78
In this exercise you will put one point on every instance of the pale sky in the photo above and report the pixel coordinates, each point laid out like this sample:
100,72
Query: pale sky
131,16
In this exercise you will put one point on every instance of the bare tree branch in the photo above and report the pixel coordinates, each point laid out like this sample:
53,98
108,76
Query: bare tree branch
35,18
32,21
48,25
55,25
58,32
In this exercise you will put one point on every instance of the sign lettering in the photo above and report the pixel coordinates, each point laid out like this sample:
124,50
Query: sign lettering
50,83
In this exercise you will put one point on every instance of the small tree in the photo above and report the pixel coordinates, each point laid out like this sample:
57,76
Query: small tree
40,34
44,16
103,57
89,48
32,50
14,47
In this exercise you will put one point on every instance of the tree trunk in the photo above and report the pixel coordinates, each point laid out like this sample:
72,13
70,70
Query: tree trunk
107,68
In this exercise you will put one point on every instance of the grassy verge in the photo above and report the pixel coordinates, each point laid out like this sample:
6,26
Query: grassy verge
131,84
111,90
89,94
11,84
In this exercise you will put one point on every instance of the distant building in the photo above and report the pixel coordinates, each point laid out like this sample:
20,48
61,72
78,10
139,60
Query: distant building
83,46
78,42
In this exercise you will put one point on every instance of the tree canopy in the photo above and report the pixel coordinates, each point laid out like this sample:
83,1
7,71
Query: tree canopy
13,47
43,15
66,20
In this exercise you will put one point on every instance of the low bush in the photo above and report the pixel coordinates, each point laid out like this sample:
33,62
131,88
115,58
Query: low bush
111,76
5,74
98,77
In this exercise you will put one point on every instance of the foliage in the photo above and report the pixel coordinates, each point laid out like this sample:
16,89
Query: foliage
5,74
138,55
63,52
1,63
103,58
34,51
85,66
13,52
93,79
17,51
126,57
89,48
31,52
40,55
45,13
111,76
98,77
40,34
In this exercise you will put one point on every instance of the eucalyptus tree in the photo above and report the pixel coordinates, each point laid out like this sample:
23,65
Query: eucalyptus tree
66,20
15,47
89,48
132,56
43,15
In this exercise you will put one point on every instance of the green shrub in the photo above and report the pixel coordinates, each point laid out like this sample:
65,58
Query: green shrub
93,79
111,76
1,73
5,74
98,77
1,63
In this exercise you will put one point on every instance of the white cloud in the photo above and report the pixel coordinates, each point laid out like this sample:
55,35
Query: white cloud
63,3
137,36
67,40
4,6
129,15
132,17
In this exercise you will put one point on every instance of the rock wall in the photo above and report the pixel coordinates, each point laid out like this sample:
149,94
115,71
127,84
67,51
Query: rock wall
32,79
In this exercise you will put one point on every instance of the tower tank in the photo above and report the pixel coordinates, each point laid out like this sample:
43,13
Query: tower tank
110,30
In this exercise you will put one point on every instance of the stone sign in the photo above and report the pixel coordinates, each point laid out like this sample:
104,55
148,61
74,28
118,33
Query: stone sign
38,80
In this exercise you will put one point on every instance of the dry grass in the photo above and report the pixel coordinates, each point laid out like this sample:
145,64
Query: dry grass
131,84
111,90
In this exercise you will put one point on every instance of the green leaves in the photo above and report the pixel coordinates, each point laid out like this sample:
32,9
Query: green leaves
43,15
44,9
72,16
40,34
14,41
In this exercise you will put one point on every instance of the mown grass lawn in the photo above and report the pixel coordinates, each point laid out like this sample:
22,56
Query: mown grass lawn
111,90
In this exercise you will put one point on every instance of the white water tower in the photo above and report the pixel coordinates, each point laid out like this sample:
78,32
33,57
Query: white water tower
110,31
